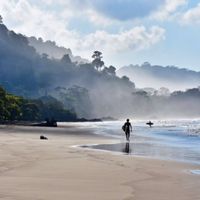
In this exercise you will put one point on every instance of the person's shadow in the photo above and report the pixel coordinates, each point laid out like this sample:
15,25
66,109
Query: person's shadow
127,148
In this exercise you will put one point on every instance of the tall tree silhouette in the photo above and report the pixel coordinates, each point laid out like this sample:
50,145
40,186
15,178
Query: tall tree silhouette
1,19
97,62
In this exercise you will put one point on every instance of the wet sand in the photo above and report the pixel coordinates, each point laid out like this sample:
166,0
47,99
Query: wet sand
51,169
156,151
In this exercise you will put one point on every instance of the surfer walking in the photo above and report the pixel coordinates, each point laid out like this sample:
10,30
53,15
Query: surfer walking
127,128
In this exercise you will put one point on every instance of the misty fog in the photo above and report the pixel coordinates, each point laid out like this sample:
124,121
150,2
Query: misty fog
155,76
95,91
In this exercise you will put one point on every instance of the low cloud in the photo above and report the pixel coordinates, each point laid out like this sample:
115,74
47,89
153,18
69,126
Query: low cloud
135,39
168,10
115,9
192,16
126,9
33,21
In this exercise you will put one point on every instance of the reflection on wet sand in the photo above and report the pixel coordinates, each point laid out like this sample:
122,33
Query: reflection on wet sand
152,150
127,148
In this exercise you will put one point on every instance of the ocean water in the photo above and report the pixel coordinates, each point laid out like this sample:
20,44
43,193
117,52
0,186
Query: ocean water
168,139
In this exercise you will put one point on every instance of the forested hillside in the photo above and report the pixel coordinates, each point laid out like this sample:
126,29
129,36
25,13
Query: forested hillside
156,76
16,108
84,87
91,90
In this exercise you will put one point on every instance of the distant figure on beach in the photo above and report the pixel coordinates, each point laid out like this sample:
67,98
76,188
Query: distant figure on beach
127,128
150,124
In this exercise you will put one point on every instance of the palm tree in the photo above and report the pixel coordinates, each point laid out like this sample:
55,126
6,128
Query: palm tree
97,62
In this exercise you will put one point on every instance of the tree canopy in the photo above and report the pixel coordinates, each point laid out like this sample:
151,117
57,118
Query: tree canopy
97,60
1,19
17,108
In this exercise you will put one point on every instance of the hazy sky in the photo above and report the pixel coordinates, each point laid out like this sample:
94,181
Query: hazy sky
165,32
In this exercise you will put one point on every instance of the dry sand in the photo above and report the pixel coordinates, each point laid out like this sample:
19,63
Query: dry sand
33,169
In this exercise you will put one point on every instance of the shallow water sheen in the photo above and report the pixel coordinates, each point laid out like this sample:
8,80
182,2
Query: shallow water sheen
153,151
196,172
170,139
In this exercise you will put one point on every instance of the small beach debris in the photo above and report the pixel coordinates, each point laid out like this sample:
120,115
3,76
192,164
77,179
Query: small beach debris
42,137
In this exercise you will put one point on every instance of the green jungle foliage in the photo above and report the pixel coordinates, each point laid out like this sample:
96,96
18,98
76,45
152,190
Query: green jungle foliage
15,108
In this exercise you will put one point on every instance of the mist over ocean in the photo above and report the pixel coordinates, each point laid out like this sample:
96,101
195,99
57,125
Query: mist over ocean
168,139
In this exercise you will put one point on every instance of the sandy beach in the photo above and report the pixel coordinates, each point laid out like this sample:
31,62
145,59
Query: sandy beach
34,169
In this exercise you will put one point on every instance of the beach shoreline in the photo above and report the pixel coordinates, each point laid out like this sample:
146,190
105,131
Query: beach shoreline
31,168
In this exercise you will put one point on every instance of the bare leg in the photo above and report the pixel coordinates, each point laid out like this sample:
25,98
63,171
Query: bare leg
127,136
